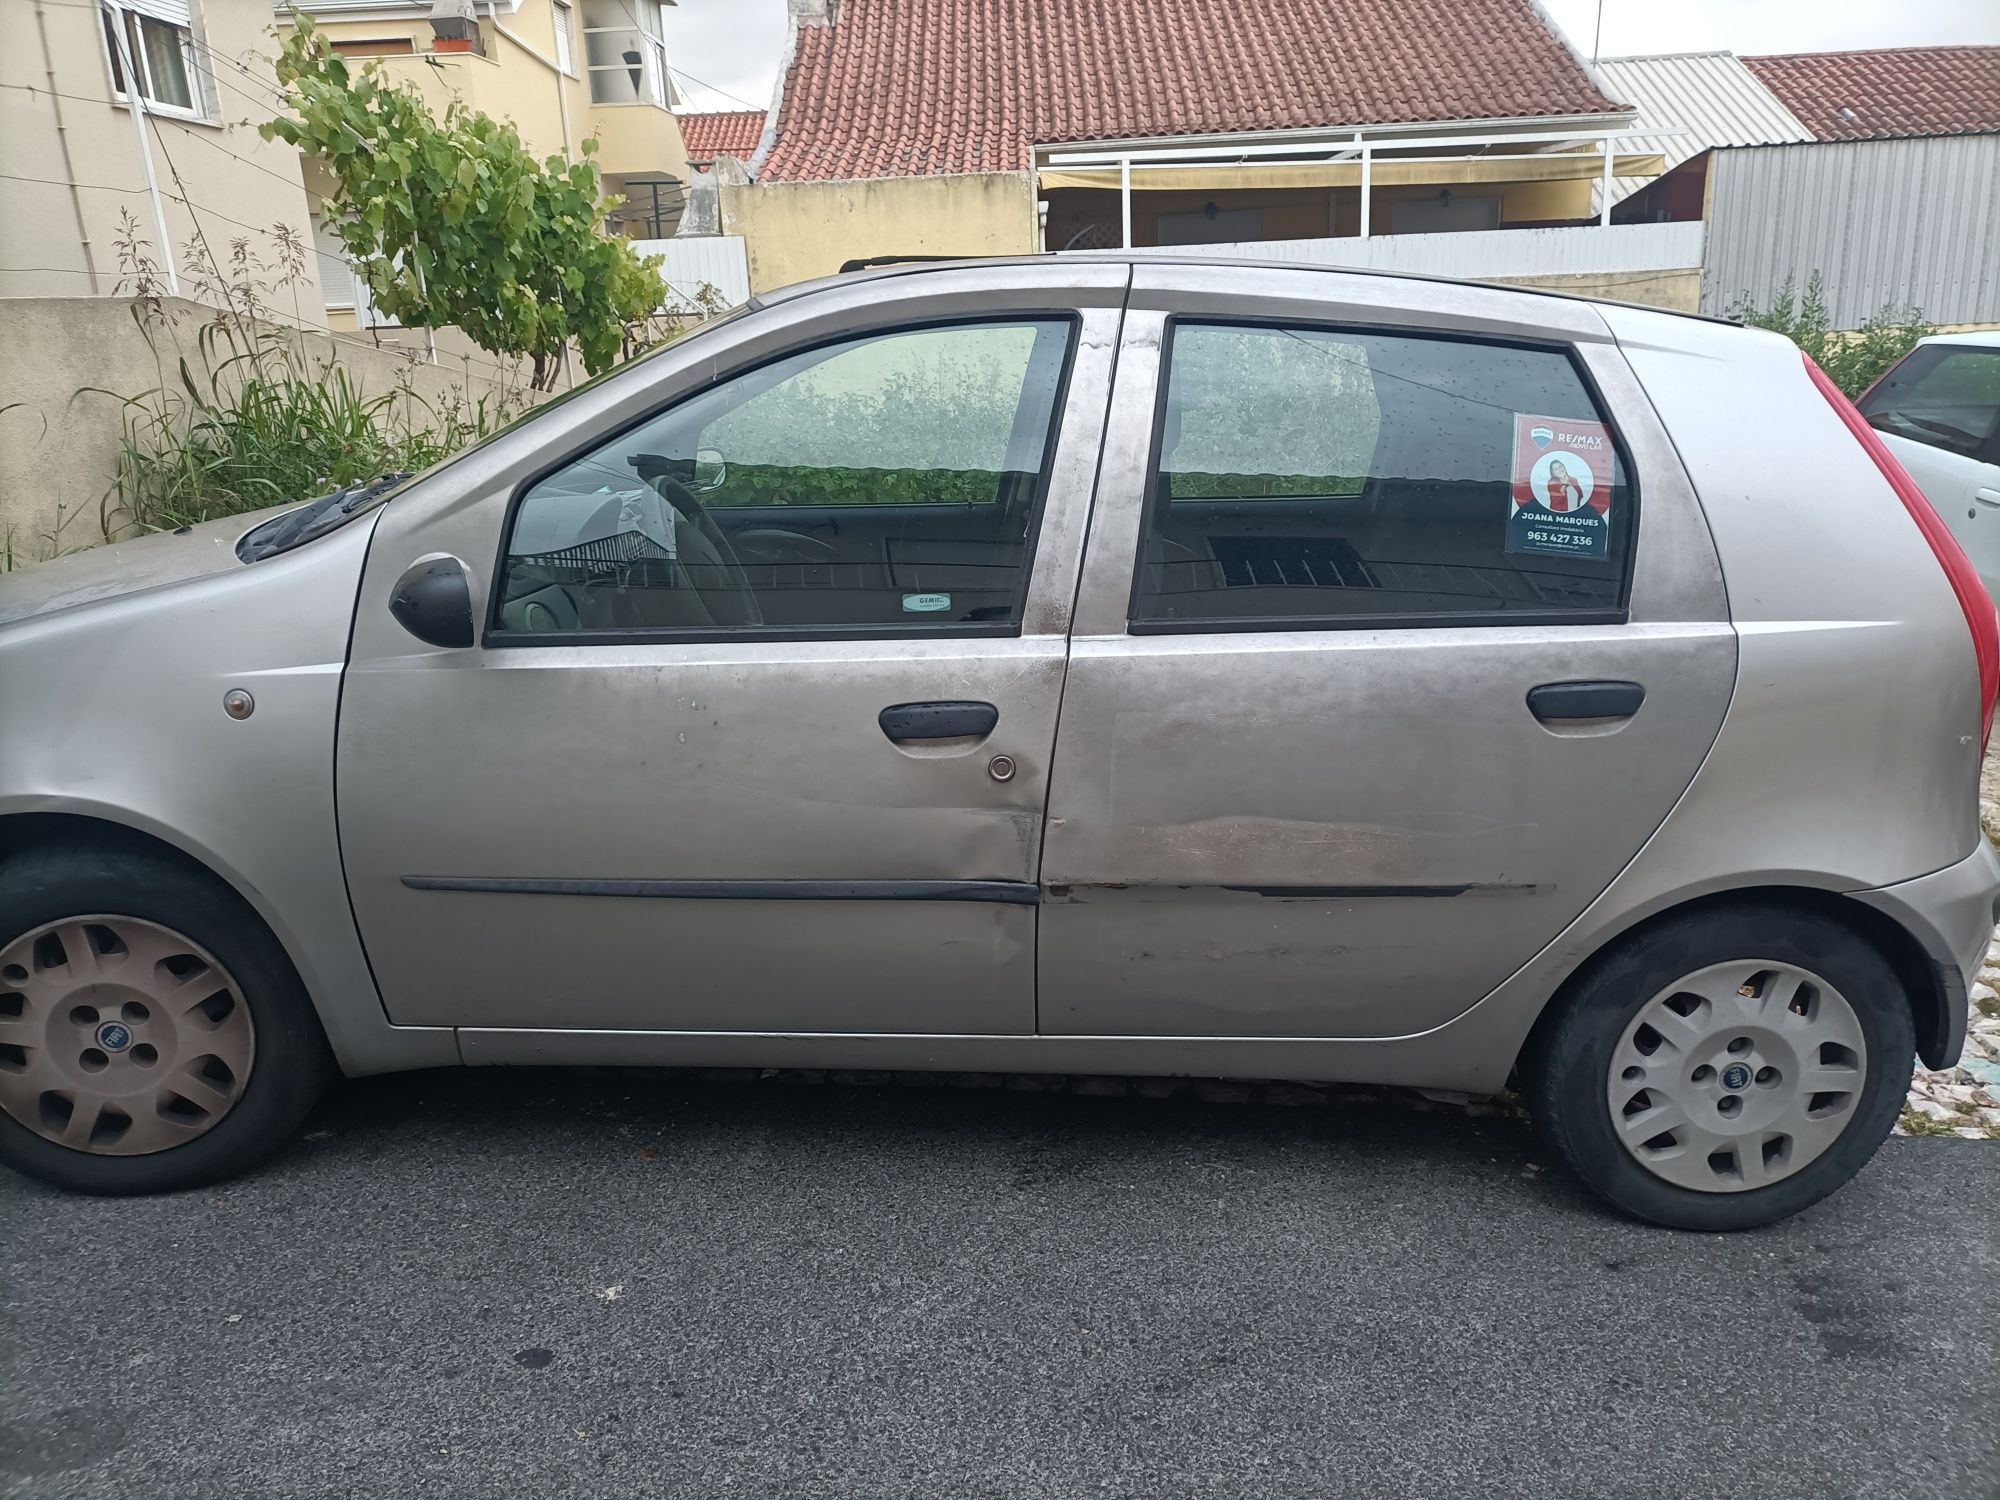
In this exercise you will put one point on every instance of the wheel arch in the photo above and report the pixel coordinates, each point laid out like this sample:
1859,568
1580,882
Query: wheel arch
1923,985
336,980
103,828
24,831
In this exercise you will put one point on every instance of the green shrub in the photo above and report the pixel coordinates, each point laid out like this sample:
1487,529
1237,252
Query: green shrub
452,222
1853,359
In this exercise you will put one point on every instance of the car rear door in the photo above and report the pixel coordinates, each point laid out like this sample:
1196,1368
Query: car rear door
675,788
1400,632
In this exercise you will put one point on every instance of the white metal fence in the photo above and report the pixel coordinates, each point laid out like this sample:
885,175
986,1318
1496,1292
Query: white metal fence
1586,251
716,260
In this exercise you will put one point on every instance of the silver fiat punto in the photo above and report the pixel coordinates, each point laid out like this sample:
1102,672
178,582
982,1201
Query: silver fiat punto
1081,665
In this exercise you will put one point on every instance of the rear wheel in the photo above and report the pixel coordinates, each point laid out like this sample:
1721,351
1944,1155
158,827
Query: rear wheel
1725,1069
153,1035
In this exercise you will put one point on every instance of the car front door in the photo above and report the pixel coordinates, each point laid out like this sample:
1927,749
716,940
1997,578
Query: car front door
1400,633
757,731
1939,413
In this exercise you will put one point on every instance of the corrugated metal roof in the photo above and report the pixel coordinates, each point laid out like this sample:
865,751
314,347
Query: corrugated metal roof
1709,95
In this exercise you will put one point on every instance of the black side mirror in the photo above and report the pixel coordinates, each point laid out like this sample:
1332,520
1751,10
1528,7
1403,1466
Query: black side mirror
434,602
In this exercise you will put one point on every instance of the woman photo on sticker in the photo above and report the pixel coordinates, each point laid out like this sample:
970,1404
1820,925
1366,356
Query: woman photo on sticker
1561,492
1562,483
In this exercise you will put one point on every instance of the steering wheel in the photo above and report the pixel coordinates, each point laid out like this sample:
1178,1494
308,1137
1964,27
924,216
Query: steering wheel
735,604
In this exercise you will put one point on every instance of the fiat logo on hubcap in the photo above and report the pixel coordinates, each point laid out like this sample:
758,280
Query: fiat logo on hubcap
1736,1076
114,1036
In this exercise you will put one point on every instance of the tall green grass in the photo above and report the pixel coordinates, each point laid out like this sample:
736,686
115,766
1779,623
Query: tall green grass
251,420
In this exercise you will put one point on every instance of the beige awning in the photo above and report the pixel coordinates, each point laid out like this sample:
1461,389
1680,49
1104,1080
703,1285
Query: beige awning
1541,167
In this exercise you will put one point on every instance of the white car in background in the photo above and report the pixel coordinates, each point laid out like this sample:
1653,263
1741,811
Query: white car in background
1938,410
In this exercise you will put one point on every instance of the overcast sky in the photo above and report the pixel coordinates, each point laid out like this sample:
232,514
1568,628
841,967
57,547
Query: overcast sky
726,51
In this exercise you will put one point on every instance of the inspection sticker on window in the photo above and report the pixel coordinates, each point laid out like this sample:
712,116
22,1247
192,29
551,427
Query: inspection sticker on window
1561,498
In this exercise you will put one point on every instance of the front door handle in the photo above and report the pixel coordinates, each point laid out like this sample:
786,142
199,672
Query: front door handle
938,721
1563,702
1986,496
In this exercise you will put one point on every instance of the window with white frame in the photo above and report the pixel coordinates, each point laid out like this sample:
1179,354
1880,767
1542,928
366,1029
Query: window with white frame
341,282
625,52
565,38
151,42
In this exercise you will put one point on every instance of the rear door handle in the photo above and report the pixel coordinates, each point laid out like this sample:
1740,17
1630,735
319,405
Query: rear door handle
937,721
1561,702
1986,496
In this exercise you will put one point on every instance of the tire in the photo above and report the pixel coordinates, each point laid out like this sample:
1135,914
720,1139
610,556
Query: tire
230,1074
1823,1014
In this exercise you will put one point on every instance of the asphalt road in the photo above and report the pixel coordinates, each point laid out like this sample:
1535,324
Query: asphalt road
947,1292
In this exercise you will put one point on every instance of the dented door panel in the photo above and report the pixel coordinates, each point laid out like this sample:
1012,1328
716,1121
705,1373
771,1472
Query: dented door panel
1347,833
1356,832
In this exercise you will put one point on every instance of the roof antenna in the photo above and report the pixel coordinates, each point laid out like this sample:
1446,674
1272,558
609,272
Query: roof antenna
1597,36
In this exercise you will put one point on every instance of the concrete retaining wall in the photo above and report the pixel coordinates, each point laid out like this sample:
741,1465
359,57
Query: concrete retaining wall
59,439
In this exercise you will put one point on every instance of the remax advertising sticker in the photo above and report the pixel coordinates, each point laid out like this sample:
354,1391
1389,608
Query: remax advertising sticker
1561,500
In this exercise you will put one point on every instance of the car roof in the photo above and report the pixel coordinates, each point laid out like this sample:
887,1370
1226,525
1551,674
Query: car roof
886,267
1985,338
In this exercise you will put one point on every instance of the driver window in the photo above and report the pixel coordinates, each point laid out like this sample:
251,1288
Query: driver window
885,483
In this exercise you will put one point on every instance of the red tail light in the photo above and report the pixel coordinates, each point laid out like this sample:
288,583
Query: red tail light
1972,595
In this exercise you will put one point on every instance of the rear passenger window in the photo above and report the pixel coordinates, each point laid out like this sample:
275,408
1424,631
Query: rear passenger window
1307,476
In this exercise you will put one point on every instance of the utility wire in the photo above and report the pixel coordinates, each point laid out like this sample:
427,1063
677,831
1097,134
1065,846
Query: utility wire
139,192
193,41
337,334
271,94
200,234
700,83
213,145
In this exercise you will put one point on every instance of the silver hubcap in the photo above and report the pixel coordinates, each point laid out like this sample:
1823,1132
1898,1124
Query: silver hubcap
1737,1076
118,1036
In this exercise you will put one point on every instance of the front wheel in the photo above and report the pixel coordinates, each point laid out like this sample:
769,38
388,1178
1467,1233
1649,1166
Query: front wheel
1725,1069
153,1034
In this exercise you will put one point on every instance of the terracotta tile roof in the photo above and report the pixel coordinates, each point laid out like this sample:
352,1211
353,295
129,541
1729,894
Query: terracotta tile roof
1857,96
733,131
916,87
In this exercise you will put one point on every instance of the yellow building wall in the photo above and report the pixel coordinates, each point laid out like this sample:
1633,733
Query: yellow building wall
513,82
60,127
795,231
637,140
517,81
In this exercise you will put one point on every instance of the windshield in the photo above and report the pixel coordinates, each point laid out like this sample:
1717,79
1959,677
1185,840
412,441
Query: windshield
329,512
1942,395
